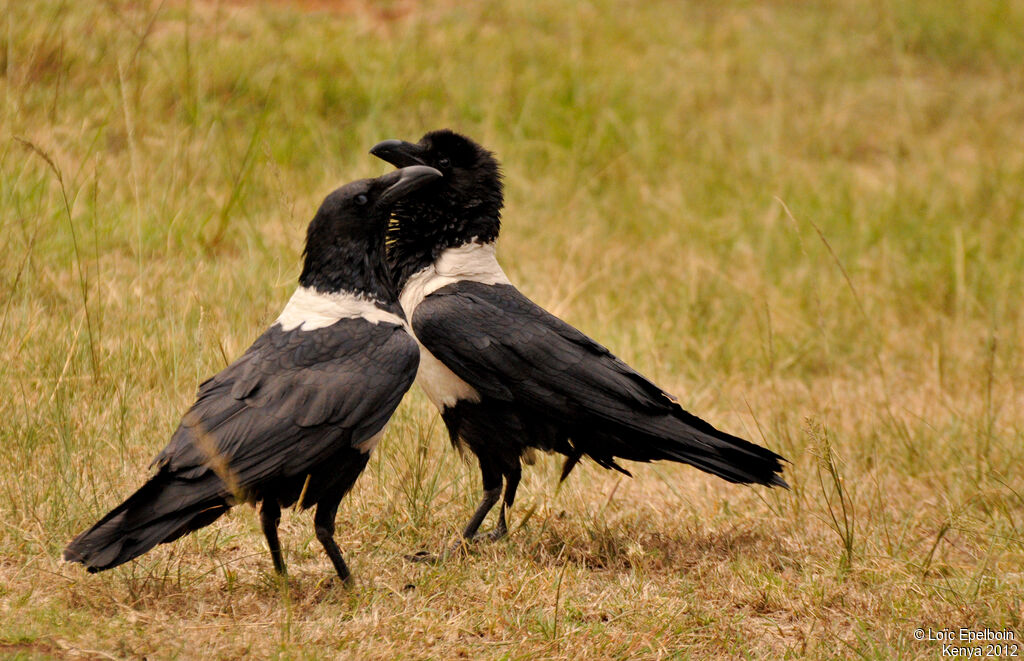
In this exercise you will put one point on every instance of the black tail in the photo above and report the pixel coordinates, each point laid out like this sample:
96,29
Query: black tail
164,509
683,437
696,442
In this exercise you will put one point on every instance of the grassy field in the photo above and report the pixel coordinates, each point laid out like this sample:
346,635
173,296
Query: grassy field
805,221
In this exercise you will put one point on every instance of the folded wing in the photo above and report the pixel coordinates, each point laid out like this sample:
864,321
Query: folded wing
292,399
512,350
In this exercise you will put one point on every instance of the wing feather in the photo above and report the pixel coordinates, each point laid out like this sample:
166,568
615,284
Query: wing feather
511,350
293,399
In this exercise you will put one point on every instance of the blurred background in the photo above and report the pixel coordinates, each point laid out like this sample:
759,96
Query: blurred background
805,220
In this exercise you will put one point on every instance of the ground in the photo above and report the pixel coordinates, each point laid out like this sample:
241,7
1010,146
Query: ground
804,221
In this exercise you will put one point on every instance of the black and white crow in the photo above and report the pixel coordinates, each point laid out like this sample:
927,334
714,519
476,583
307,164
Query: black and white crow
296,417
508,376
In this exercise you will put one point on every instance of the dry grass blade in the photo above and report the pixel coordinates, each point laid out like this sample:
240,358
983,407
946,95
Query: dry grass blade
646,149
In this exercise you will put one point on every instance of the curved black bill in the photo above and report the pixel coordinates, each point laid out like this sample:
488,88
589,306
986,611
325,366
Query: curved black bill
406,180
398,153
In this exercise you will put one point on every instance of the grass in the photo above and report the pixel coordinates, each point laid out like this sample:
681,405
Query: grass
803,220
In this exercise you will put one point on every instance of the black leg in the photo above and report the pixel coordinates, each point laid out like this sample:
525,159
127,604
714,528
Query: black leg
323,520
511,484
492,492
270,517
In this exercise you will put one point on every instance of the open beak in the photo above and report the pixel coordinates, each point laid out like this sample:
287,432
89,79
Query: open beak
406,180
398,153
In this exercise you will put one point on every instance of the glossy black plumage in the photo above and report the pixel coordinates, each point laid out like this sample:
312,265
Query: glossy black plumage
296,405
568,393
528,379
293,420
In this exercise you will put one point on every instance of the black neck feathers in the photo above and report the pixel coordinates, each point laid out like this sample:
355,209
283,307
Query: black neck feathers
420,233
333,264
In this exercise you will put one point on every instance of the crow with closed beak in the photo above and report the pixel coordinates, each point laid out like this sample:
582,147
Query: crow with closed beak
295,418
508,376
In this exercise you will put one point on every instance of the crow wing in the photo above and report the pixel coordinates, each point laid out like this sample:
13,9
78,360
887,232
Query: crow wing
294,398
512,350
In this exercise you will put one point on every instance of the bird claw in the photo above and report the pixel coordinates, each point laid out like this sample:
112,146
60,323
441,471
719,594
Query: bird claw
423,556
336,582
491,536
436,558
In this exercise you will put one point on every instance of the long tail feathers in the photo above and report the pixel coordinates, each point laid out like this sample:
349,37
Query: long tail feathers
685,438
161,511
729,457
734,460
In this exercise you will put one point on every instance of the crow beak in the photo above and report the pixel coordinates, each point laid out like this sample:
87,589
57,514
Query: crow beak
398,153
403,181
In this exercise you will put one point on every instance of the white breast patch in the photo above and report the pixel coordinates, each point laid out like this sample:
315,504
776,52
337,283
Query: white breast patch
475,262
309,309
367,446
442,386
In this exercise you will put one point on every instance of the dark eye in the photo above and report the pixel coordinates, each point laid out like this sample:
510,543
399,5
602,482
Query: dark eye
443,162
361,199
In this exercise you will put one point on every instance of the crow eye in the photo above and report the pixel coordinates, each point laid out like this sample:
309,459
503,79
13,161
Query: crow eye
361,199
443,162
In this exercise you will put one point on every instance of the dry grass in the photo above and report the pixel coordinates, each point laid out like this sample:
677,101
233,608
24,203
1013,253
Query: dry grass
804,221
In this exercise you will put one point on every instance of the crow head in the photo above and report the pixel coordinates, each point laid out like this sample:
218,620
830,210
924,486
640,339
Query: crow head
345,240
463,206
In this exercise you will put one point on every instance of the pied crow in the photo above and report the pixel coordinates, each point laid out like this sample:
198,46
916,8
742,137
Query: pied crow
508,376
295,418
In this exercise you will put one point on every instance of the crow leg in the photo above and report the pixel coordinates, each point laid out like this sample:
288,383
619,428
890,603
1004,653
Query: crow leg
323,521
511,484
492,492
270,517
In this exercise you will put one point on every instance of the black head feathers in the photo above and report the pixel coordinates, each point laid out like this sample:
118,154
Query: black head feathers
345,240
461,207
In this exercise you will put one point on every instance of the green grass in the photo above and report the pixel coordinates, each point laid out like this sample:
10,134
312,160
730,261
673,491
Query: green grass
805,221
